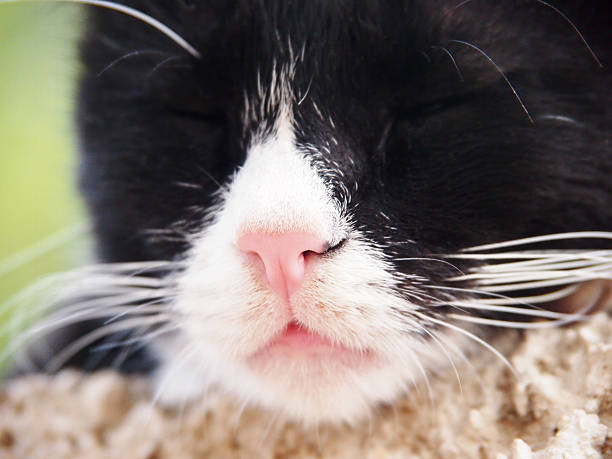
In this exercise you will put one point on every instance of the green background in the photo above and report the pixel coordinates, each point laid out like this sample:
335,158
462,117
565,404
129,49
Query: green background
38,68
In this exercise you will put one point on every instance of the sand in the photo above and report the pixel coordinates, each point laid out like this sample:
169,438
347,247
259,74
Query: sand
559,406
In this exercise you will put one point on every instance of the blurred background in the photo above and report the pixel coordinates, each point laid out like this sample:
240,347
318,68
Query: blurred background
39,206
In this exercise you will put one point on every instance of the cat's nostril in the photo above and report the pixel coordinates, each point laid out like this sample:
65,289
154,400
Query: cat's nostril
285,257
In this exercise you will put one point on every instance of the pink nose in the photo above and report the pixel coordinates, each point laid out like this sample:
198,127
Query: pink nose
285,257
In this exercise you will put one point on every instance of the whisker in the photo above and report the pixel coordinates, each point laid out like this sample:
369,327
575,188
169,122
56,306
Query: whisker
447,354
459,352
507,309
160,64
498,299
546,283
60,319
136,343
195,186
501,72
464,2
29,292
538,269
127,56
180,360
143,339
43,247
473,337
429,259
63,356
564,320
118,282
565,18
128,11
420,296
425,376
599,255
544,265
543,238
442,48
508,287
486,278
573,26
167,234
150,306
514,324
102,291
211,177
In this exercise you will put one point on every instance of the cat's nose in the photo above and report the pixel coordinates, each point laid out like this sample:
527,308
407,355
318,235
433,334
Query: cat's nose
285,257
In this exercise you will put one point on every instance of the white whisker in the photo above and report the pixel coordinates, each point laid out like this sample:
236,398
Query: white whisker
160,64
531,300
545,283
442,48
507,309
543,238
103,291
519,276
543,265
128,11
514,324
498,299
179,361
473,337
501,72
573,26
447,354
535,254
563,320
425,376
37,288
43,247
63,356
137,52
60,319
565,18
143,339
429,259
150,307
134,267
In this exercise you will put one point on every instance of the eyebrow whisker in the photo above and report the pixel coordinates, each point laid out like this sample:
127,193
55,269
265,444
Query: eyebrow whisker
128,11
501,72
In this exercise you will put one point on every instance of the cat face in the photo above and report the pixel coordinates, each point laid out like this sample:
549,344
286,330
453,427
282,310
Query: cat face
311,172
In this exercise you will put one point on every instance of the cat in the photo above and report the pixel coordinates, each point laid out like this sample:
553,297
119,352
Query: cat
311,205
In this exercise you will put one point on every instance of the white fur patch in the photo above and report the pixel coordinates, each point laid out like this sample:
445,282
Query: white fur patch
226,313
278,191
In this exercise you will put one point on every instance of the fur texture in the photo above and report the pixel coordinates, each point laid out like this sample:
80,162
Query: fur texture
399,132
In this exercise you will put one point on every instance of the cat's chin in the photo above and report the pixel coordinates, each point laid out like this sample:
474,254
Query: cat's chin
310,383
319,387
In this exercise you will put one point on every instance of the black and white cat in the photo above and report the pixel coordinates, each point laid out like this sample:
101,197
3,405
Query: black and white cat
312,204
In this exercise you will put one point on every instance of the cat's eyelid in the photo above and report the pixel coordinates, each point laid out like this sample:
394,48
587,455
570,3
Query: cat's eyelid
429,108
195,114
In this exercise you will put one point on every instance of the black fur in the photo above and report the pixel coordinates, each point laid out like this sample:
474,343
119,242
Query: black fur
446,152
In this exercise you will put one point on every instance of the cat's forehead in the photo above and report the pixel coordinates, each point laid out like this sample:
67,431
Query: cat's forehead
357,58
337,66
345,45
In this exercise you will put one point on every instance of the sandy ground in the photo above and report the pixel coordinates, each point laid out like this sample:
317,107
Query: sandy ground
559,407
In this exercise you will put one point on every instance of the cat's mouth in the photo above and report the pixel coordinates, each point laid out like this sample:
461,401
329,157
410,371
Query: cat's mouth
298,341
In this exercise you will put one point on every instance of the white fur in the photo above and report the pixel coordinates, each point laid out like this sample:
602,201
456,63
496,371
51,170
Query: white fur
227,312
